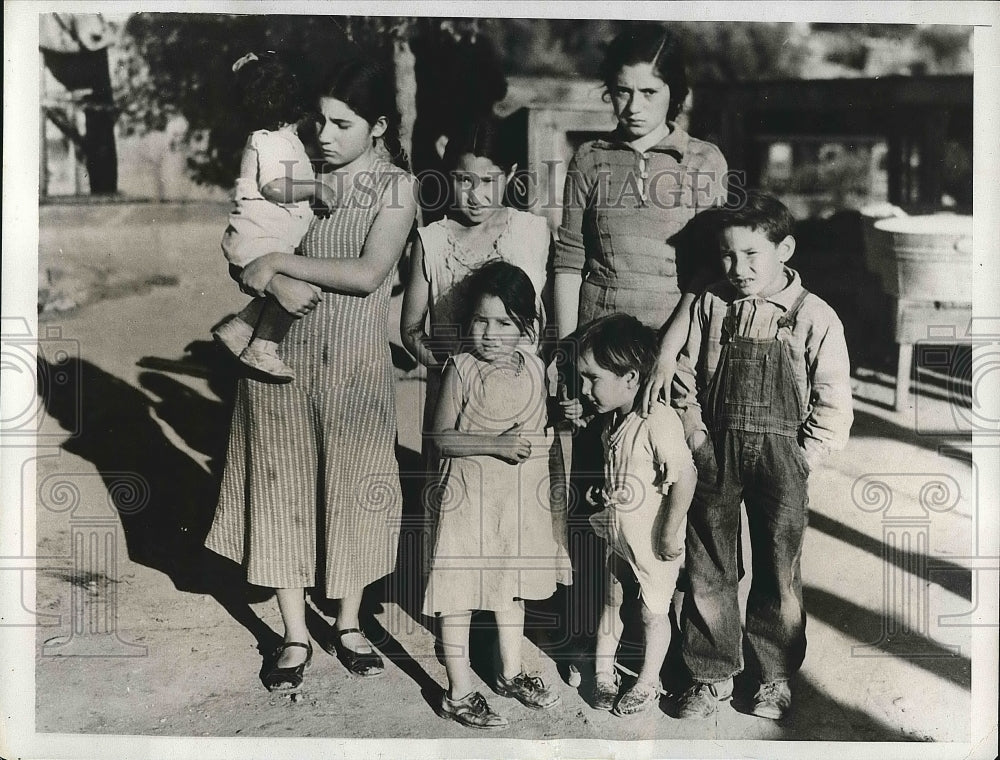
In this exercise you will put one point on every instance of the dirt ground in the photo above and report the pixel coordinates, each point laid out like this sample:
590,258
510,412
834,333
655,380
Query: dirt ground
141,633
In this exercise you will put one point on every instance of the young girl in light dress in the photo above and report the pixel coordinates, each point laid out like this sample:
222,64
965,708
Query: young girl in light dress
479,228
500,539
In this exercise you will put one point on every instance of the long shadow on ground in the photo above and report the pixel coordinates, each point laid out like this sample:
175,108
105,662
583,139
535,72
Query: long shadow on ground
876,631
116,432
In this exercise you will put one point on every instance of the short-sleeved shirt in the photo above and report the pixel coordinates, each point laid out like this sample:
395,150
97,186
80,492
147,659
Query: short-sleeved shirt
642,459
258,226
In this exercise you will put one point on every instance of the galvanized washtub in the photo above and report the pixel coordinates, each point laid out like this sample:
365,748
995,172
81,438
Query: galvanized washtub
924,258
925,265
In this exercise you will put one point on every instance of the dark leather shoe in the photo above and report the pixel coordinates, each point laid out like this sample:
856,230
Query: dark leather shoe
286,679
366,664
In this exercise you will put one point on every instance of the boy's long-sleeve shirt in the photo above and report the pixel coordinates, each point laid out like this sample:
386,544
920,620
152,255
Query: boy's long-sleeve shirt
817,346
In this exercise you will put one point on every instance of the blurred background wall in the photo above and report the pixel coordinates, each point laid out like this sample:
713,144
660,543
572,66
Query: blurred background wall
171,103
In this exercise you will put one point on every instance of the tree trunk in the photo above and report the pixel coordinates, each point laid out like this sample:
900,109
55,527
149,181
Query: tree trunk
99,139
406,91
88,70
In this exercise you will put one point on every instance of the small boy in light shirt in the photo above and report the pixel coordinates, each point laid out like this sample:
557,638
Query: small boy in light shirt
648,483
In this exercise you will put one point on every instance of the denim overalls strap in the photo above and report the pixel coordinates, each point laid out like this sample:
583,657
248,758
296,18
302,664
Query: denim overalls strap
754,387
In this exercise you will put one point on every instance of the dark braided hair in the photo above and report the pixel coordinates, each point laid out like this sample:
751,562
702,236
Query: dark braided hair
269,91
369,90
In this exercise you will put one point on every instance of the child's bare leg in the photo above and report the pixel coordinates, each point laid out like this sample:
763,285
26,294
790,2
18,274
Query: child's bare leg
455,649
656,630
262,352
609,633
530,690
272,323
252,311
510,634
645,692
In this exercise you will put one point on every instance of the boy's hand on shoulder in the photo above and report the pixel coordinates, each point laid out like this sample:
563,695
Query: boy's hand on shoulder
512,447
658,384
670,547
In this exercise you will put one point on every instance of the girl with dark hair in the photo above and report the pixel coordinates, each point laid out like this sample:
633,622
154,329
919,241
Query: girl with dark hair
627,196
310,493
499,538
479,227
627,199
271,205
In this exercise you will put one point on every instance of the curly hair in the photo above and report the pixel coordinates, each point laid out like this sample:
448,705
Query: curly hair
269,91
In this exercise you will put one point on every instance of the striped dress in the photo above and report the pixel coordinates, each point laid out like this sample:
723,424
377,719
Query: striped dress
310,493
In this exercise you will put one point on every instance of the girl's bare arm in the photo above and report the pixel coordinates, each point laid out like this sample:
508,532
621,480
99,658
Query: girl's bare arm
354,276
416,299
509,446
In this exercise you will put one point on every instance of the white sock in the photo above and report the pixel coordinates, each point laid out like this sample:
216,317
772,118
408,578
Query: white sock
264,346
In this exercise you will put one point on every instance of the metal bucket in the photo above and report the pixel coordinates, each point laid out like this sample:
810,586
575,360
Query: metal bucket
878,260
932,257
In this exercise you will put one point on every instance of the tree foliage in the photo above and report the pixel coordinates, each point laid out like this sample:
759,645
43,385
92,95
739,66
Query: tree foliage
180,63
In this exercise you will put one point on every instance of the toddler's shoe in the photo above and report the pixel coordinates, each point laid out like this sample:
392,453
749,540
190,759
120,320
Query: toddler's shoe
772,700
234,334
636,699
530,691
472,711
573,676
702,700
267,364
605,691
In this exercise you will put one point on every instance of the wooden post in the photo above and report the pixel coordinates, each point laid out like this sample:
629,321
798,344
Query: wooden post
934,133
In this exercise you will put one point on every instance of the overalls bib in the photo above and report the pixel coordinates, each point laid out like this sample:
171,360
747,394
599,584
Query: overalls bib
754,387
754,411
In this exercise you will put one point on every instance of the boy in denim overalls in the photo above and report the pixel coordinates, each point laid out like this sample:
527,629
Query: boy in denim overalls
763,389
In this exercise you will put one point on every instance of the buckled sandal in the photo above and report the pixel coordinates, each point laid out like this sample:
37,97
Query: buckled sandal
286,679
365,664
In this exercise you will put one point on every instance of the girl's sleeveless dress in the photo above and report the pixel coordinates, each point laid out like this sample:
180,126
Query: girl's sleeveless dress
310,493
500,535
524,241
